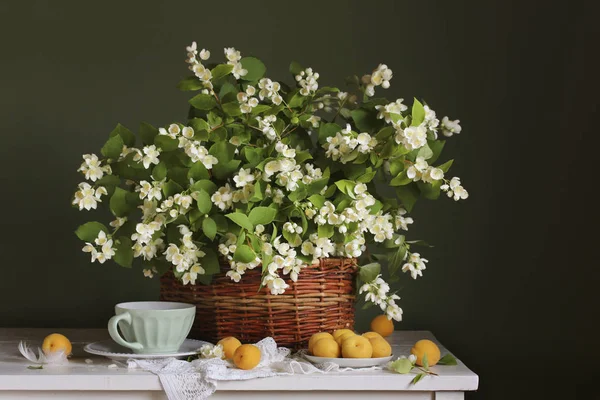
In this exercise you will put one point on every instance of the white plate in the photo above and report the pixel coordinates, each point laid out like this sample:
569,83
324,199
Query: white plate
349,362
112,350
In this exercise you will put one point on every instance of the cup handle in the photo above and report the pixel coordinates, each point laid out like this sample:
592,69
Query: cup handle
114,332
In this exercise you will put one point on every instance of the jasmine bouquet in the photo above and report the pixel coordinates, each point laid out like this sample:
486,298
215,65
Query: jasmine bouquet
272,176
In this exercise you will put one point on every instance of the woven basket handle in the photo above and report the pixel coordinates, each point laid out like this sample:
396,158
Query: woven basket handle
114,332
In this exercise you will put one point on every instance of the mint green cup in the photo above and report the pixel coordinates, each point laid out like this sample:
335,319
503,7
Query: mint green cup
152,327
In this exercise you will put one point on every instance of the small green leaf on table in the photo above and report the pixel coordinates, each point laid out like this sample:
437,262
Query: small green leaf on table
401,365
448,359
418,378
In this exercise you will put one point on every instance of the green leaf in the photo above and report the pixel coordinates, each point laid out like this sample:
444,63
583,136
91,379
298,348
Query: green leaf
210,262
401,180
221,70
425,152
203,102
232,109
258,192
408,195
369,272
199,125
325,231
109,180
418,378
448,359
425,361
292,238
35,367
299,194
209,227
244,253
297,100
367,177
118,202
261,108
127,136
190,83
401,365
295,68
317,200
227,88
171,188
159,172
446,166
418,113
364,120
204,202
198,171
419,243
147,133
346,186
254,155
123,252
204,184
223,151
223,170
262,215
436,147
430,191
113,147
89,231
256,68
166,143
327,130
241,220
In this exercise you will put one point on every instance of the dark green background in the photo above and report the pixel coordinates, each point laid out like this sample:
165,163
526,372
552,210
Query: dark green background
513,72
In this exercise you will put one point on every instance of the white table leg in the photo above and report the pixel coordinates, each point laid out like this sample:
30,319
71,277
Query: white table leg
449,395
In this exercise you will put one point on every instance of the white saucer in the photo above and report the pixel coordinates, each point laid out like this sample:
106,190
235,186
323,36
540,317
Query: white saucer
349,362
112,350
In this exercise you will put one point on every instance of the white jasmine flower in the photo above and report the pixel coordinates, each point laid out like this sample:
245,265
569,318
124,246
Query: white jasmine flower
392,108
204,54
223,197
151,154
243,177
188,132
91,167
450,127
88,198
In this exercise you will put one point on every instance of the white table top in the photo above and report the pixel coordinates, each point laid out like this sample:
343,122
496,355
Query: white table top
78,375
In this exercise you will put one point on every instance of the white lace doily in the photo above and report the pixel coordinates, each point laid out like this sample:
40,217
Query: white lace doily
195,380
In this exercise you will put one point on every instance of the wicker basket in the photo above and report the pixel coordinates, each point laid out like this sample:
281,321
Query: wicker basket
321,300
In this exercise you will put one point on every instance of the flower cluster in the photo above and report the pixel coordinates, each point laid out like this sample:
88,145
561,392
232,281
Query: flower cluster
269,177
377,291
105,251
450,127
381,76
246,100
212,351
307,80
415,265
92,168
270,90
453,188
185,257
234,58
395,108
345,145
420,170
200,71
87,197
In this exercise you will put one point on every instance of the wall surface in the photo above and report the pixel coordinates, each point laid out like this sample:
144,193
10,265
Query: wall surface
497,285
